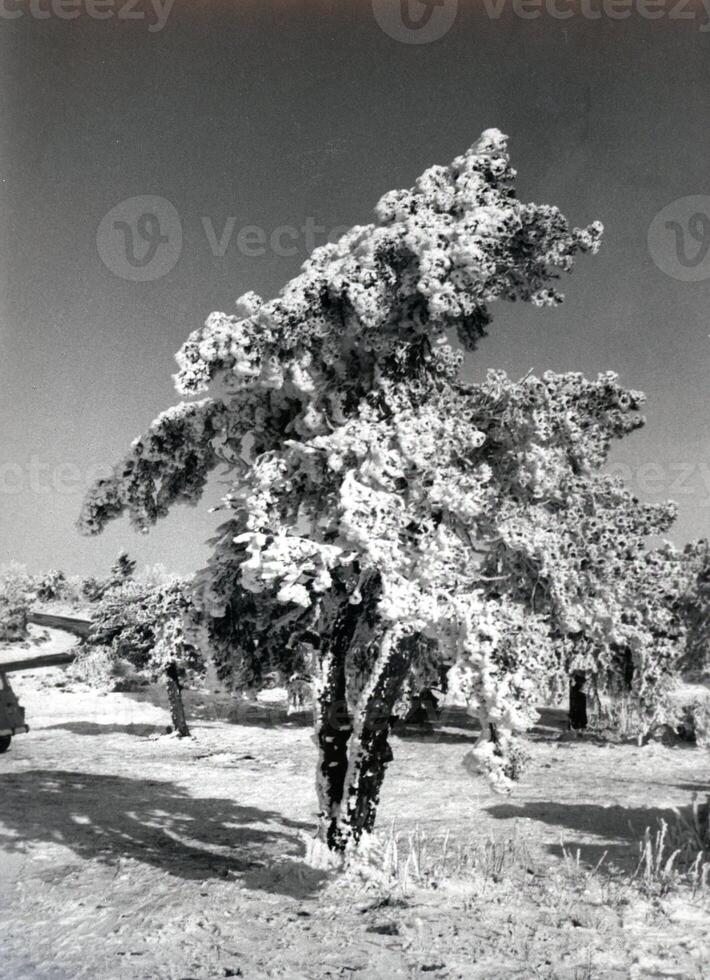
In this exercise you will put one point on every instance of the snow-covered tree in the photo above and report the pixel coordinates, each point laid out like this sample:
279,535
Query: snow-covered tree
150,626
695,607
639,663
121,571
381,511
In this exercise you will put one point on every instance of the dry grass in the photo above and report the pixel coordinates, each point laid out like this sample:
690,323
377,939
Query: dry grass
677,854
559,919
671,858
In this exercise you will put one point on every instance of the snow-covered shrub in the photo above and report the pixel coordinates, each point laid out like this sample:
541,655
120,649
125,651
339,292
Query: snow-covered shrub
692,718
13,622
17,592
50,585
99,667
91,589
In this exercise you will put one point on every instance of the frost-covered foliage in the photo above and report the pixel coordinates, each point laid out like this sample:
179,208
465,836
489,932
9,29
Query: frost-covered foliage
379,302
121,571
20,592
51,585
695,607
507,548
149,627
17,592
98,668
55,587
382,512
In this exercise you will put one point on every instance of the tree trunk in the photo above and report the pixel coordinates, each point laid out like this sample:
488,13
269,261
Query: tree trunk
369,749
331,717
629,669
577,702
332,723
177,709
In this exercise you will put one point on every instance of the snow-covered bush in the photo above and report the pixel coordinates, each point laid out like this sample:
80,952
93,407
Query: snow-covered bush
692,718
382,511
50,585
99,667
17,592
13,621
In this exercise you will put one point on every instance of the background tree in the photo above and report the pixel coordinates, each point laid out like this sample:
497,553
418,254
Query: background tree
695,607
149,625
570,543
121,571
647,656
365,513
50,585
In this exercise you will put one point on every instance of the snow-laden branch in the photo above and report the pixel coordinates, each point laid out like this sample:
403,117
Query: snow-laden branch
170,463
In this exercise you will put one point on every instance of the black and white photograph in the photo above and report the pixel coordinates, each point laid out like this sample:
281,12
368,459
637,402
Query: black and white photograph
355,490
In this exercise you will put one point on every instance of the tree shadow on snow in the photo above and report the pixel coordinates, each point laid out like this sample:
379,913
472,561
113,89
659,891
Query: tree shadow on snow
105,818
618,829
206,706
453,724
108,728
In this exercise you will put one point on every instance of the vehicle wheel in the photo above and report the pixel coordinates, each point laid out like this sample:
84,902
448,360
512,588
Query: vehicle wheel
5,743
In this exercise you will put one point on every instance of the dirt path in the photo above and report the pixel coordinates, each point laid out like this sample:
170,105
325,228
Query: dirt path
42,641
125,853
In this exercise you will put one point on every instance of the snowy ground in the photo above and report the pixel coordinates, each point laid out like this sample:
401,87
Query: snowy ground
125,853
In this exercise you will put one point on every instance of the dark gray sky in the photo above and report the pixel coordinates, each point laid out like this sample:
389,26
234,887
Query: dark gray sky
276,114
